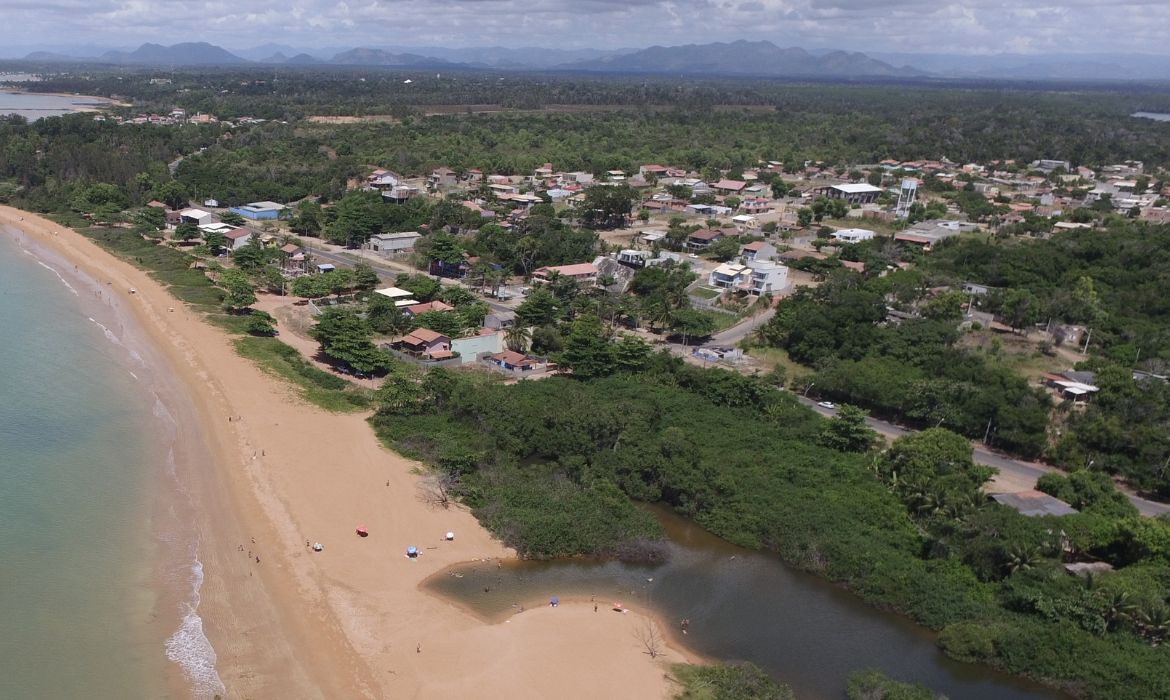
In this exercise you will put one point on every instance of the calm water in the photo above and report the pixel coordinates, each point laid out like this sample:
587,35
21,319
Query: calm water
33,106
745,605
97,575
1156,116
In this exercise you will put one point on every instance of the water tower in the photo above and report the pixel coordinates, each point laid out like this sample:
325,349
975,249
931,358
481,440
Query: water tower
906,196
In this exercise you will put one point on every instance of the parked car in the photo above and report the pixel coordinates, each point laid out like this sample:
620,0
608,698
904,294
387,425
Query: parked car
826,404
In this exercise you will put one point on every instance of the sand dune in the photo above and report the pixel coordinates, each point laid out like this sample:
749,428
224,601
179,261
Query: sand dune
349,621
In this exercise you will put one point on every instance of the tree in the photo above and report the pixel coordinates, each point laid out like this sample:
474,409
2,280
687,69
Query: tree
150,219
345,337
423,288
606,206
1020,308
446,322
252,256
847,431
308,219
187,231
262,324
539,308
630,354
359,215
364,277
239,290
586,351
723,249
384,316
691,323
311,286
517,337
445,248
232,219
171,193
215,241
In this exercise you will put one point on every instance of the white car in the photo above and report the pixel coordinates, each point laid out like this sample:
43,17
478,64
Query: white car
826,404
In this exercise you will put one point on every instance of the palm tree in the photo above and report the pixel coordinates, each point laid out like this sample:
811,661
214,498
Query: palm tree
1154,619
517,338
1022,558
1119,607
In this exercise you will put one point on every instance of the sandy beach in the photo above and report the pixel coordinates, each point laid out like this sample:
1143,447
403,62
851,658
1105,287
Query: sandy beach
350,621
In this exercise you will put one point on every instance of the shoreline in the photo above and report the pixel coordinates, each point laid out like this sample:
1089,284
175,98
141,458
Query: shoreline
351,621
78,103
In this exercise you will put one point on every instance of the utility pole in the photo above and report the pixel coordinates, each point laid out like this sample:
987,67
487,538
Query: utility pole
1088,336
987,431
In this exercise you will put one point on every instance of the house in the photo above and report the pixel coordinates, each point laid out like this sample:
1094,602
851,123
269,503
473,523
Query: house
729,186
745,221
382,180
755,205
425,343
441,177
238,238
515,361
395,293
488,341
582,273
400,194
653,170
437,306
852,235
194,216
767,277
634,258
729,276
391,243
859,193
260,210
757,250
1074,386
500,319
703,238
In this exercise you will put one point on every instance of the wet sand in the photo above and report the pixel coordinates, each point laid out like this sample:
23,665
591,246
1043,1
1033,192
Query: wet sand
350,621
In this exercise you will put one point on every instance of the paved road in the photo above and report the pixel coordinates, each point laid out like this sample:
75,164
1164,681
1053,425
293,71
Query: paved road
1019,470
387,268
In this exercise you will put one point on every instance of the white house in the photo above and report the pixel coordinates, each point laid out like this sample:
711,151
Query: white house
729,276
767,277
757,250
195,216
238,238
852,235
390,243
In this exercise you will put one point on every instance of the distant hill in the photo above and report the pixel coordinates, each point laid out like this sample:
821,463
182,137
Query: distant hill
303,59
758,58
380,57
186,54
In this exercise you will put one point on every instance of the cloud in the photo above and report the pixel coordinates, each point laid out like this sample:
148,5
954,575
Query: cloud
942,26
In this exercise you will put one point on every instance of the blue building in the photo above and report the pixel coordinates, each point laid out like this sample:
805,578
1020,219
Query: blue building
259,210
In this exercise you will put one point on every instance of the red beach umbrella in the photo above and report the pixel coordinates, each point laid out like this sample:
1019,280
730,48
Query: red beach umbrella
362,531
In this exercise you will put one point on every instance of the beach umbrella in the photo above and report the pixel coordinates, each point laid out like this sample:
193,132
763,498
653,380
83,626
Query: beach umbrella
362,531
412,551
617,606
450,536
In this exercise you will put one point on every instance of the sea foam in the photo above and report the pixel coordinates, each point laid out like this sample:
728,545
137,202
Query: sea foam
189,646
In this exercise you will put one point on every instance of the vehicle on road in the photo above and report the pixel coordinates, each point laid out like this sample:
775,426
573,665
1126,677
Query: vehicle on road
827,404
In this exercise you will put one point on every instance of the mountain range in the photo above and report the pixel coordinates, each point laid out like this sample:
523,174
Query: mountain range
739,58
760,58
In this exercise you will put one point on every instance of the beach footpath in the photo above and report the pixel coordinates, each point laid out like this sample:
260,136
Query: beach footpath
276,475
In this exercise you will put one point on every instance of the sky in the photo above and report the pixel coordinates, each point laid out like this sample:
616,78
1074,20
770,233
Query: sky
911,26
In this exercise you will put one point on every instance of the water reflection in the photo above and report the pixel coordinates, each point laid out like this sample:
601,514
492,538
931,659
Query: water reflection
743,605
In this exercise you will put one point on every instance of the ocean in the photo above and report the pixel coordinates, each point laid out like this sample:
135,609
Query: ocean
100,576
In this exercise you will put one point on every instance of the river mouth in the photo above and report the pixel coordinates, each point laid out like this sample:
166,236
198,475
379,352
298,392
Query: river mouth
741,605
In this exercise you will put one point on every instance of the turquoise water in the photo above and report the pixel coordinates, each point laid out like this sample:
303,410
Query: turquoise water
78,598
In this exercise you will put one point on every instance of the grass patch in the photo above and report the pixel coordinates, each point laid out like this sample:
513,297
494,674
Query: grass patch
728,682
705,292
777,358
317,386
172,268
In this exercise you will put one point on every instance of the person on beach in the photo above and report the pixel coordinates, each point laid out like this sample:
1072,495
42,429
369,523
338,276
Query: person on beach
418,648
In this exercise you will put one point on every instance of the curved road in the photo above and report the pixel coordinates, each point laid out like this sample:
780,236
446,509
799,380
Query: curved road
1019,470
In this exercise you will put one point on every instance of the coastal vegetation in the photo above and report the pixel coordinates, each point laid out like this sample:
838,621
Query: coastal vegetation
908,529
728,682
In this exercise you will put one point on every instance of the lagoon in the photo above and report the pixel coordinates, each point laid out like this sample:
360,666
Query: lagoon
36,105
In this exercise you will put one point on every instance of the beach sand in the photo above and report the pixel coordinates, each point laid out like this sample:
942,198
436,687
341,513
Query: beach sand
350,621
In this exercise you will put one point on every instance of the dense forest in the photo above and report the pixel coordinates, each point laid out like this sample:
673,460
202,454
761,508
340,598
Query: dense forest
908,529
